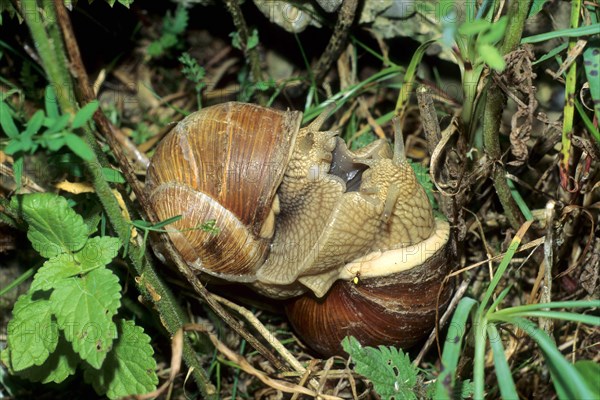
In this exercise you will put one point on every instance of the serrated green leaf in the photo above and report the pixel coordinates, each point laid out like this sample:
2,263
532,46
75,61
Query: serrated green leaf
54,228
79,146
422,174
32,335
388,368
98,251
178,23
54,270
51,103
59,366
7,123
84,308
84,114
129,368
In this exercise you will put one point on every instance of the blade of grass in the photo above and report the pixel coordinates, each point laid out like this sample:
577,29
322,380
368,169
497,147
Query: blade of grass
409,78
554,304
593,29
480,333
514,244
499,299
562,315
551,53
588,122
503,373
20,279
519,200
569,383
452,349
342,97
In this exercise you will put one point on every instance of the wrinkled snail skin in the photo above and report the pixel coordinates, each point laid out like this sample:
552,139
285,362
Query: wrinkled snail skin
300,214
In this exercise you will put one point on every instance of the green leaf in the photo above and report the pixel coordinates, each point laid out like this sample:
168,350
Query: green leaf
446,382
7,123
178,23
32,335
235,40
51,103
79,146
503,373
536,7
54,228
58,367
562,33
98,251
56,125
84,114
252,40
590,371
591,63
34,124
54,270
388,368
14,146
129,368
18,170
112,175
84,308
495,33
126,3
567,380
474,27
422,174
492,57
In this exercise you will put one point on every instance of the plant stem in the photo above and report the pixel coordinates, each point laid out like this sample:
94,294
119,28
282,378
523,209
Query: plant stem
337,42
569,109
55,68
252,54
492,114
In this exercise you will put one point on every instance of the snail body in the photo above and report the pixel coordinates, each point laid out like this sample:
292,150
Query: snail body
298,212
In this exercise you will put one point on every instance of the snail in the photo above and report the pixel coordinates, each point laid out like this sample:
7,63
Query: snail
347,238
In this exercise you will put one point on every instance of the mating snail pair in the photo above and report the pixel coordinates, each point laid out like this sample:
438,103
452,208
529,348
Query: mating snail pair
348,237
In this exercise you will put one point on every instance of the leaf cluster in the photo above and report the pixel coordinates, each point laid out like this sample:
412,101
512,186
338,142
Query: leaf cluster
68,318
48,130
174,24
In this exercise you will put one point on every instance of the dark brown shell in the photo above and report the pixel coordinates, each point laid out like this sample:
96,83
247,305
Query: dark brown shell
222,163
397,310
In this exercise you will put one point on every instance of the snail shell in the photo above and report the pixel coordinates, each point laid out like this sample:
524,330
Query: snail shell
223,163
